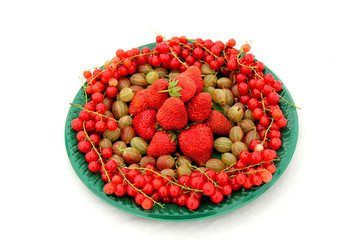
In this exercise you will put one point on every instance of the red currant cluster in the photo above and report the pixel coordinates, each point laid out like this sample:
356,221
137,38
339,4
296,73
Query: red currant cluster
251,87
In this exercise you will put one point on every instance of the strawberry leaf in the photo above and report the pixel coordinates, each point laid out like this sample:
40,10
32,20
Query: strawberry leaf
218,107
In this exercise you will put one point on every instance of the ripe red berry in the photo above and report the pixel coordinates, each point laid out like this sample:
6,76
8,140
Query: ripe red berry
106,152
110,165
111,125
258,113
84,146
208,188
275,143
163,191
196,182
77,124
100,126
222,178
243,88
192,203
217,197
147,204
231,43
281,122
231,64
256,180
226,190
266,176
209,175
109,188
94,166
80,136
95,138
91,156
271,168
240,178
159,39
246,47
174,190
120,190
277,85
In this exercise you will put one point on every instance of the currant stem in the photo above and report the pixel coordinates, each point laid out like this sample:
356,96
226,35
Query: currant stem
101,115
93,147
138,190
253,165
289,103
172,182
213,182
267,130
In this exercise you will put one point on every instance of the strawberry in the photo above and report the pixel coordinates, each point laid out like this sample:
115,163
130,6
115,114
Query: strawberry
144,124
194,73
154,98
162,143
218,123
138,103
182,87
199,107
197,143
172,115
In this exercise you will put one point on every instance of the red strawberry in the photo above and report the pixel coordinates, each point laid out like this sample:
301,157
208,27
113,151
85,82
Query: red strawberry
218,123
199,107
144,124
161,144
172,115
155,99
197,143
138,103
182,87
194,73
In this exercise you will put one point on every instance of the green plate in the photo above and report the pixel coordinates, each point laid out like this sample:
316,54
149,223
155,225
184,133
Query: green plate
173,212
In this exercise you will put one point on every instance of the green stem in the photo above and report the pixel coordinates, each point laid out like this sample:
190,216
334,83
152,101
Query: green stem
267,130
138,190
93,147
215,184
172,182
101,115
289,103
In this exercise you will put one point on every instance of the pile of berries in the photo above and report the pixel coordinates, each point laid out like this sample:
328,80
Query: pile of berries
153,118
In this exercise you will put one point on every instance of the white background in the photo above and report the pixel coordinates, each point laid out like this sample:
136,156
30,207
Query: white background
313,46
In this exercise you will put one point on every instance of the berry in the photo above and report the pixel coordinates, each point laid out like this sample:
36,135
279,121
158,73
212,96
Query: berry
161,144
144,124
182,87
231,43
275,143
109,188
94,166
194,74
246,47
197,143
218,123
222,178
147,204
154,98
110,165
172,115
84,146
199,108
208,188
174,190
196,182
226,190
192,203
217,197
77,124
